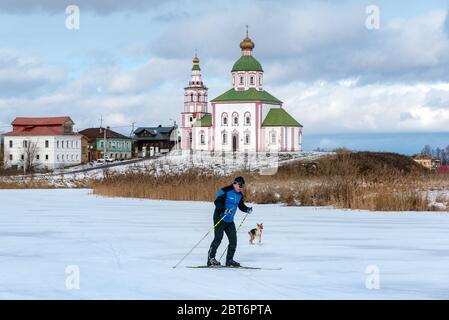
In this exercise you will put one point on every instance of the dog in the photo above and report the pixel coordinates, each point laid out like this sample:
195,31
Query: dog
256,233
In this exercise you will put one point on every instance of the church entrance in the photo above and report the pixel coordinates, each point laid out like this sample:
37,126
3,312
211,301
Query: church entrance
234,143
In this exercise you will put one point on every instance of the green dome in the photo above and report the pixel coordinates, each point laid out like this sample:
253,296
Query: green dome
247,63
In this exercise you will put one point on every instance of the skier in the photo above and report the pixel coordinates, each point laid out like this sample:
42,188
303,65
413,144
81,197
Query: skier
226,202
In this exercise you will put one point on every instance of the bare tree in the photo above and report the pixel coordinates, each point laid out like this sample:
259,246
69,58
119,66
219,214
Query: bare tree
427,149
30,150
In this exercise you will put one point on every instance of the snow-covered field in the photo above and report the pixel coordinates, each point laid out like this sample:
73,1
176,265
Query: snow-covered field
125,248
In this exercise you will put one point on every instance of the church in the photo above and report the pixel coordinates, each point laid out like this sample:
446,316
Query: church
246,118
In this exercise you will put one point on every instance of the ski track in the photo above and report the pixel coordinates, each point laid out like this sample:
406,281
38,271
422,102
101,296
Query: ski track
126,248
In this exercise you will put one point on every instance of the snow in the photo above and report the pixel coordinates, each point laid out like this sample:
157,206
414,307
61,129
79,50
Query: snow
173,162
125,249
438,199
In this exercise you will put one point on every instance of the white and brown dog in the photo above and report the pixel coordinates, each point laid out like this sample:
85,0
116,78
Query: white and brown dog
256,233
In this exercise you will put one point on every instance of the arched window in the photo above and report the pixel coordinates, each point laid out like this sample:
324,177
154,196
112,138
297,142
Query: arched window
224,138
191,97
247,119
251,80
247,138
235,119
199,97
202,137
224,119
241,80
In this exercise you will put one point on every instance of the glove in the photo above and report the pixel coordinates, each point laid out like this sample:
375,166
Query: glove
250,210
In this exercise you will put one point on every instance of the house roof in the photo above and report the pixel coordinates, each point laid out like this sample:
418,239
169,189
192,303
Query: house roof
205,121
247,95
159,129
40,126
422,156
278,117
51,121
154,133
98,133
247,63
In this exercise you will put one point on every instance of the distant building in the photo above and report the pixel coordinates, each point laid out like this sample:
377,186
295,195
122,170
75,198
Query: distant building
149,141
45,143
84,149
118,146
436,163
424,159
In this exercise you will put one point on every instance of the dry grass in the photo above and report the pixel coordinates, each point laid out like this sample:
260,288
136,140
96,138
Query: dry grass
183,186
364,180
33,183
25,185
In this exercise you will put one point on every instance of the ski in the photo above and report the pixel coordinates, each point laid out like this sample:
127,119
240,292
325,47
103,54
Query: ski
225,267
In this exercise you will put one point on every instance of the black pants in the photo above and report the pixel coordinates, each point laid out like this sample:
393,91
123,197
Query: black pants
229,229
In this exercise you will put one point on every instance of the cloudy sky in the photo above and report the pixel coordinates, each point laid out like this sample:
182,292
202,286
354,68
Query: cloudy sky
349,85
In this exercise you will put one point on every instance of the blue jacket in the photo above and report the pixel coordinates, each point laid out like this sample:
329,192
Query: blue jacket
228,198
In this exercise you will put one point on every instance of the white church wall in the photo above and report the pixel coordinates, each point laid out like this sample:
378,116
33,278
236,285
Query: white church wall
231,129
205,143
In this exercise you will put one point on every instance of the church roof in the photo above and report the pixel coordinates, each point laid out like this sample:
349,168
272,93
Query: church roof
278,117
205,121
246,95
247,63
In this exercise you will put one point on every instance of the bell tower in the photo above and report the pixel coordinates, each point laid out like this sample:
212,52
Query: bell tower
195,103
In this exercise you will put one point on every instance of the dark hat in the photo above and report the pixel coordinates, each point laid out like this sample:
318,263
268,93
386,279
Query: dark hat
239,180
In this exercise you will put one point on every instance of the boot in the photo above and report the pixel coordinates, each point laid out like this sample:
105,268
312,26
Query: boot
232,263
212,262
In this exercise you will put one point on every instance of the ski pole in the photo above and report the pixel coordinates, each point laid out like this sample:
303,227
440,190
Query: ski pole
199,242
244,218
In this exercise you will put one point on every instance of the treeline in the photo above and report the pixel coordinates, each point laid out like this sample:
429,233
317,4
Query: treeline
437,153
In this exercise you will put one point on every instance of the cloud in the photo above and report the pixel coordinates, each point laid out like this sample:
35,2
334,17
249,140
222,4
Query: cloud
437,98
25,75
98,6
145,95
316,41
329,107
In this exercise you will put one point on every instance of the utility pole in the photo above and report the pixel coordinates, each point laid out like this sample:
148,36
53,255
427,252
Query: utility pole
132,139
132,130
104,137
104,142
